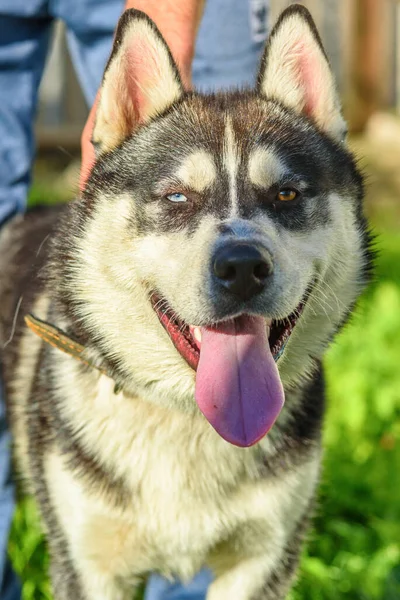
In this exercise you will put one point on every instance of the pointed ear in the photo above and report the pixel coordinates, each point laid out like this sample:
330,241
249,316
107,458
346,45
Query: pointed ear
141,80
295,71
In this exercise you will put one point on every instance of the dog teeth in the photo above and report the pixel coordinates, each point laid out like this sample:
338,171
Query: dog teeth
196,333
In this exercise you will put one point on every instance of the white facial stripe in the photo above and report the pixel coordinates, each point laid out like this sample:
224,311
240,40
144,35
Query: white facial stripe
231,163
265,168
197,171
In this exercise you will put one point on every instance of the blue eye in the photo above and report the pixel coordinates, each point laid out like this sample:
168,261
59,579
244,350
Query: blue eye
177,197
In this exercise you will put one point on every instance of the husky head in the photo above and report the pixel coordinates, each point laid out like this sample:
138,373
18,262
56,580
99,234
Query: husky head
219,243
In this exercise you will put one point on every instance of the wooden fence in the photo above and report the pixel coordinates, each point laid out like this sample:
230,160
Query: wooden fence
362,39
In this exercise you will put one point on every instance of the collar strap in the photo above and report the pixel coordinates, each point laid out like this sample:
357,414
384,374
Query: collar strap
58,339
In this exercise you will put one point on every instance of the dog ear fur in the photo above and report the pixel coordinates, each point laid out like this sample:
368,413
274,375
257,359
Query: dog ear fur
140,81
295,71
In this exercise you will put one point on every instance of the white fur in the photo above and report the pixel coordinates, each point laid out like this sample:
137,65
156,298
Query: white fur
337,251
112,268
265,168
181,508
198,171
231,161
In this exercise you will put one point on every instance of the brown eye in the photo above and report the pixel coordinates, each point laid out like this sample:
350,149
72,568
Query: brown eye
287,195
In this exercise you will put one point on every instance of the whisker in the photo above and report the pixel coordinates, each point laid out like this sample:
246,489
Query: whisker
14,323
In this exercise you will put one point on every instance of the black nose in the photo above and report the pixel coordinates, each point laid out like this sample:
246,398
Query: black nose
243,269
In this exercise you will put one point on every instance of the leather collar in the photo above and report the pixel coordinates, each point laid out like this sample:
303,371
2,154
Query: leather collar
60,340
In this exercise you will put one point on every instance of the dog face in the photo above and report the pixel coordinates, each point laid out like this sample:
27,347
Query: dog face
210,219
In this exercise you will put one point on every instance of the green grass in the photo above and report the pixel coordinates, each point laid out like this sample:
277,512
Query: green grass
353,551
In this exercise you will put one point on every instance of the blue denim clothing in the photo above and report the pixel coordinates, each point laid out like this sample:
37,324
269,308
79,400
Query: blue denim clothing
9,585
159,588
226,56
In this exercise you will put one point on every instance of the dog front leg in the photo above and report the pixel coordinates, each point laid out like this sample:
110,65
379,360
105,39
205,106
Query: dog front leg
93,544
100,585
263,577
94,586
246,581
254,579
86,583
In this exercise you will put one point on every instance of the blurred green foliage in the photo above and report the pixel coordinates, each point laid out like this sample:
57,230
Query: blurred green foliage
353,552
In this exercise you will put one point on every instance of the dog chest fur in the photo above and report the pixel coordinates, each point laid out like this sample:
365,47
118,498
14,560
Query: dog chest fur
189,491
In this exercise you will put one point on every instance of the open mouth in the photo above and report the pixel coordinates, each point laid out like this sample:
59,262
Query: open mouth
237,386
187,339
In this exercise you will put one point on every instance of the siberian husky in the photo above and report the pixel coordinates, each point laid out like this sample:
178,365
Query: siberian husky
163,334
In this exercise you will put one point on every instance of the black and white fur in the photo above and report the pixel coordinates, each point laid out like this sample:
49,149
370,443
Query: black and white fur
138,481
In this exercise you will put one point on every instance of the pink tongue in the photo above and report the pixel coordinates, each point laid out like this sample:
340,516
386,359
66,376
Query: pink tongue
238,388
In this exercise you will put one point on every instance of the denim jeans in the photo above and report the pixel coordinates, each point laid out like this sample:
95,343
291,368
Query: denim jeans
227,54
